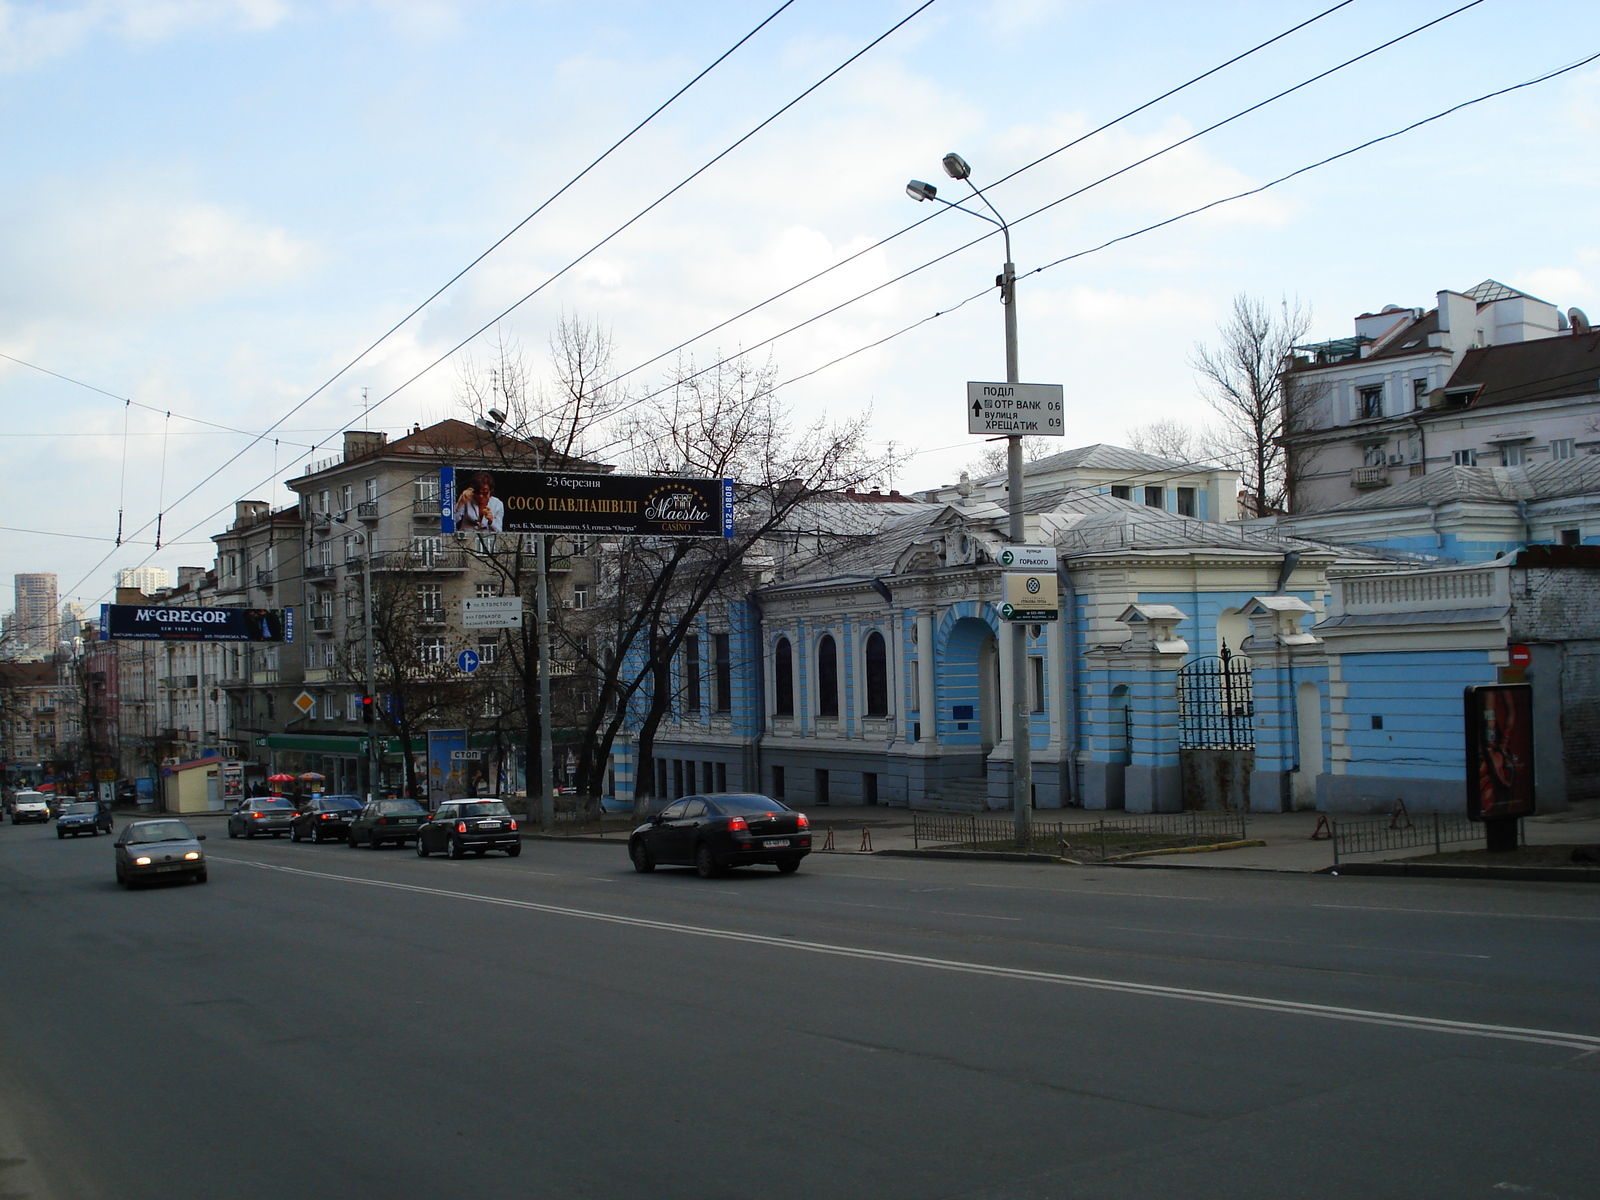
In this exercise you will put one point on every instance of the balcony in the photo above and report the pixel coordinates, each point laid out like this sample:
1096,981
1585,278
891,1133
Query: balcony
322,624
431,616
263,577
320,573
321,520
420,560
425,507
367,510
1367,478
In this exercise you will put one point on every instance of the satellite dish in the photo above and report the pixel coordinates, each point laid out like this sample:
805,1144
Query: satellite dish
1580,323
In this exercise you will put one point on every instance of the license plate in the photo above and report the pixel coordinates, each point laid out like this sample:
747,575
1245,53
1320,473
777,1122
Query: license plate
408,821
775,844
171,867
489,825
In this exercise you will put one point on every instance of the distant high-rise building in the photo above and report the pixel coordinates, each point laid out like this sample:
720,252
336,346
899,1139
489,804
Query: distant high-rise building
36,624
146,579
73,618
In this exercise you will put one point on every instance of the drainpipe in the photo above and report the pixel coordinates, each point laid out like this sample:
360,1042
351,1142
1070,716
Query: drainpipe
760,635
1070,597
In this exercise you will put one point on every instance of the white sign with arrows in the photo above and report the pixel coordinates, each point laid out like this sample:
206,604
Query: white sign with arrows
1023,409
491,612
1029,558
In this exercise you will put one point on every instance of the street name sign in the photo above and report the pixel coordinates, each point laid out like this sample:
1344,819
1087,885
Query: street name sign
1030,597
1007,409
1029,558
491,612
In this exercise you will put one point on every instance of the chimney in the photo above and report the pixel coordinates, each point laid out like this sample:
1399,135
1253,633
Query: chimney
248,512
131,596
359,443
187,575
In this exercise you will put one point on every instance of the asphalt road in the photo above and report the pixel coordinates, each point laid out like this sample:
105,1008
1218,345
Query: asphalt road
325,1022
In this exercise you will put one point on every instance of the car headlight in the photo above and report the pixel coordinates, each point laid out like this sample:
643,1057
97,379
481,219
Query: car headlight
142,861
192,855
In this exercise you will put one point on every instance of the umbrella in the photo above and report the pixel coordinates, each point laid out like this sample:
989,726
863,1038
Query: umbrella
312,776
280,778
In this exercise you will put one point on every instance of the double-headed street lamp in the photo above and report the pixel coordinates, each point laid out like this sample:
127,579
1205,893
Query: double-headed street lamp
1021,721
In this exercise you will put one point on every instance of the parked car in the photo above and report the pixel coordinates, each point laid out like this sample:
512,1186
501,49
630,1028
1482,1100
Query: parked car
151,850
477,825
30,807
325,819
384,821
83,816
726,829
262,814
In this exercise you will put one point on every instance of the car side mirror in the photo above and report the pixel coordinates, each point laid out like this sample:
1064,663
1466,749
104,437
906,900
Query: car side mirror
199,837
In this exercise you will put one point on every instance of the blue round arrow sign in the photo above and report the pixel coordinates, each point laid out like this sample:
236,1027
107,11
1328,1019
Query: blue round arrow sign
468,660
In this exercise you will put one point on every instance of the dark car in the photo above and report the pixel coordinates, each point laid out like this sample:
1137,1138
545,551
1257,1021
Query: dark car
325,819
81,817
715,832
385,821
477,825
151,850
264,814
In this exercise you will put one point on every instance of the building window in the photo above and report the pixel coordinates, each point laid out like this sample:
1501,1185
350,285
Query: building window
1371,403
371,486
353,712
488,649
1186,506
1563,448
430,600
777,783
783,682
827,677
485,590
723,661
877,657
1374,455
691,673
1572,537
322,501
580,596
425,549
821,784
1465,458
425,487
1037,677
722,777
1155,497
345,498
580,544
350,545
1419,392
1120,491
431,649
1513,456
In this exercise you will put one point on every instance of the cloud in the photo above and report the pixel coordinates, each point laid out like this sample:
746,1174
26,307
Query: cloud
32,34
1561,286
124,245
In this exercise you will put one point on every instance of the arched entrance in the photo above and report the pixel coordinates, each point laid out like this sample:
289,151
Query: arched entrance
969,685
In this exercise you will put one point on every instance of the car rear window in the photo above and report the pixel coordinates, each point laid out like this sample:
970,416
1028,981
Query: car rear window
400,806
492,808
273,805
741,806
340,802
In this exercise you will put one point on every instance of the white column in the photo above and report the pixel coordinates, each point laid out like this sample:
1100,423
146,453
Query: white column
1008,630
926,702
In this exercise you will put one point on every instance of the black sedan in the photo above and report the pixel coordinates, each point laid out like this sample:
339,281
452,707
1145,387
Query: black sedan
478,826
325,819
81,817
265,814
385,821
151,850
715,832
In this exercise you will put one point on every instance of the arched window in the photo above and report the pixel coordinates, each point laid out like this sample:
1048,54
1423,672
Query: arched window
827,677
783,678
877,676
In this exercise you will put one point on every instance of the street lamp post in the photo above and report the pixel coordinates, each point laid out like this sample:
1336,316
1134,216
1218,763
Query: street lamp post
1021,725
373,759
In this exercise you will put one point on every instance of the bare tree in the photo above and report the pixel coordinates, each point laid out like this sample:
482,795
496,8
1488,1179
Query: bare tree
1168,438
1243,380
991,460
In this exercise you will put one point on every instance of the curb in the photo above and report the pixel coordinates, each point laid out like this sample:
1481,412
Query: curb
1244,845
576,837
974,855
1443,871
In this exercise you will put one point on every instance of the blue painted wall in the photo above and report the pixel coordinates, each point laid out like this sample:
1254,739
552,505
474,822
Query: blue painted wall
1418,695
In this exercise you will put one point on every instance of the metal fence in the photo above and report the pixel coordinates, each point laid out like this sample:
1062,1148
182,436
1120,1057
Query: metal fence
1216,703
1080,841
1433,829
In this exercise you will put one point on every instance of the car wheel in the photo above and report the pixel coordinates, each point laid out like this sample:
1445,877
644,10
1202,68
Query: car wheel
705,862
294,833
232,832
373,843
122,875
513,851
200,876
422,848
350,839
60,834
788,864
456,849
316,835
249,834
640,854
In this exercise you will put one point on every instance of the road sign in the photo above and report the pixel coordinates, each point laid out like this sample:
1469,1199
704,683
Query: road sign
468,660
1030,597
491,612
466,755
1520,655
305,702
1029,558
1034,409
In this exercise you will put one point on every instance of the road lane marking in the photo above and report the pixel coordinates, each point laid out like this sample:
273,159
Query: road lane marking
1508,1033
1244,937
1456,912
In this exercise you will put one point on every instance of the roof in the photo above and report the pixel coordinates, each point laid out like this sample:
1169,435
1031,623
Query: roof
1491,290
1520,372
29,674
1102,456
1546,481
458,438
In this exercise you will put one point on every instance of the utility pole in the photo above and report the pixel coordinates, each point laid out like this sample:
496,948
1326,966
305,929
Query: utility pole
547,805
1021,719
374,759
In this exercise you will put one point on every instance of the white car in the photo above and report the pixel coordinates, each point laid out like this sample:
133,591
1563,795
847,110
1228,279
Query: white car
30,806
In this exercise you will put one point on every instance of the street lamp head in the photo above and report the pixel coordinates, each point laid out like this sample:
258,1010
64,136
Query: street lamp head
955,166
498,417
919,191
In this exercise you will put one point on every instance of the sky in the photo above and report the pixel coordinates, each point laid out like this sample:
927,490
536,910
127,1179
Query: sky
211,207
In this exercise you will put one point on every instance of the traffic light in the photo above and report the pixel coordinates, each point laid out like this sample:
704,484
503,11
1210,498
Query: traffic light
368,707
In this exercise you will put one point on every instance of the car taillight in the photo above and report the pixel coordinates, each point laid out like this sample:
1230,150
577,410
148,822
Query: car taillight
805,822
327,816
383,820
513,826
737,823
461,826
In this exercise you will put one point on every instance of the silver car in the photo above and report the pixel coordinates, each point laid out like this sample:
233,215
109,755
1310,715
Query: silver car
161,849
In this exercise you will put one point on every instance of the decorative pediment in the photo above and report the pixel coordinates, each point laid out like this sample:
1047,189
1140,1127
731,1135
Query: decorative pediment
1154,627
927,555
1279,619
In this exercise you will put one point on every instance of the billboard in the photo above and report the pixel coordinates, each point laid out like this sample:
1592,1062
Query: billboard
493,501
447,775
1499,751
141,622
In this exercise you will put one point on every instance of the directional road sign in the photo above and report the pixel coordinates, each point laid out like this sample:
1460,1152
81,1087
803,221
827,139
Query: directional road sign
491,612
467,660
1030,597
1029,558
1033,409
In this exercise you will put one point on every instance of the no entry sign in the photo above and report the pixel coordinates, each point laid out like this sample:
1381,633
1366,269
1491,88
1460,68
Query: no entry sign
1521,656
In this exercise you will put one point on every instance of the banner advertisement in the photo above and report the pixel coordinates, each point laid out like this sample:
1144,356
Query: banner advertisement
139,622
447,775
1499,751
484,501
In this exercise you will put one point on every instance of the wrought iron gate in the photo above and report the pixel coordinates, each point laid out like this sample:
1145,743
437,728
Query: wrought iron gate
1216,703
